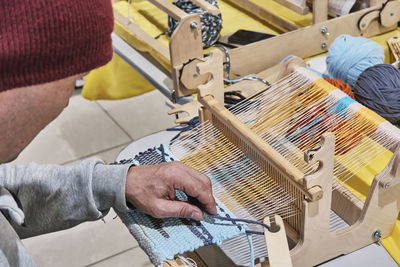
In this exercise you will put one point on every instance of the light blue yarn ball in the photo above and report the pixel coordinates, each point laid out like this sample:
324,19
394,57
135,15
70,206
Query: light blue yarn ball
349,56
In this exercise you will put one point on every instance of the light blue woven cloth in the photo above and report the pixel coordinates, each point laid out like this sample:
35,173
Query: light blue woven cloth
162,239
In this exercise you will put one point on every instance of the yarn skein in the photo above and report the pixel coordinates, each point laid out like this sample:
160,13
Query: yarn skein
349,56
345,87
211,25
378,88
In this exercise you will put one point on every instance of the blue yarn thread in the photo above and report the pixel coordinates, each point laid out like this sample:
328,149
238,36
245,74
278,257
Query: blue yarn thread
248,232
349,56
251,249
378,88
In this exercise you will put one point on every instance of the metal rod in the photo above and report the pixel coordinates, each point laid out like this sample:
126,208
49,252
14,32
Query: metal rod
143,66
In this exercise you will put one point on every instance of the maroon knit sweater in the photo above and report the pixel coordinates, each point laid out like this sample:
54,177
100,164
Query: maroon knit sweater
47,40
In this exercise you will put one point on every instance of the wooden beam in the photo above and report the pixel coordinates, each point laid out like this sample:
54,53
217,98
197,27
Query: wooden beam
169,8
304,42
143,36
210,9
264,14
302,10
320,11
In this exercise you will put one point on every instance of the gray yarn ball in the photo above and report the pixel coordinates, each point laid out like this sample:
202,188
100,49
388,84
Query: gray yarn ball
210,25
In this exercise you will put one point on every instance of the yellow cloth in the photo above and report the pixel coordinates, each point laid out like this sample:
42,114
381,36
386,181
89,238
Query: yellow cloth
115,80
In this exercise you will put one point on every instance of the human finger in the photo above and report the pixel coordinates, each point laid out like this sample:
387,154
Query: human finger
197,189
174,208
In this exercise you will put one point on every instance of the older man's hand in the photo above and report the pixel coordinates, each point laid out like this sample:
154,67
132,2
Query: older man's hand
151,189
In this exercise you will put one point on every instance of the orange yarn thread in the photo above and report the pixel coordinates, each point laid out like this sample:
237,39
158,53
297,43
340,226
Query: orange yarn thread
345,87
323,121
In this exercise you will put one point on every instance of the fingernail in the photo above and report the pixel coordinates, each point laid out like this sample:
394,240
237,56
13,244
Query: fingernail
196,216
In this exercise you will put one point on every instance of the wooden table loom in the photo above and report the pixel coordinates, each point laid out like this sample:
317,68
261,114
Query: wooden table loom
302,42
314,193
370,221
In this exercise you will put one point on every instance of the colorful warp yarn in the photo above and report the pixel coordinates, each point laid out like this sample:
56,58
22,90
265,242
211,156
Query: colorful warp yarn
378,88
162,239
349,56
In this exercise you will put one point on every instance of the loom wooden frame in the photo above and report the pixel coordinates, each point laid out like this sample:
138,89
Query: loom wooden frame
380,209
251,58
316,244
304,42
320,8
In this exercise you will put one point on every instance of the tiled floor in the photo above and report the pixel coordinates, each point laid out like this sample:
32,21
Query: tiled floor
85,129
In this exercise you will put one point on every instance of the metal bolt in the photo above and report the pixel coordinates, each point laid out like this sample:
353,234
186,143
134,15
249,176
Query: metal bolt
387,185
324,45
377,235
195,75
193,25
324,30
363,25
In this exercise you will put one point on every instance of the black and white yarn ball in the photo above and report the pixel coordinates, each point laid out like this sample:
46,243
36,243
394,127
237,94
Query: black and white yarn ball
211,25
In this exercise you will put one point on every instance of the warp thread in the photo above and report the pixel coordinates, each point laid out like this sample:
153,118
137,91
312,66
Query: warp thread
349,56
378,88
211,25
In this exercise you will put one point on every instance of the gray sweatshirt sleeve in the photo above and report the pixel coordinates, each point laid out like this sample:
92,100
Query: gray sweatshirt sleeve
59,197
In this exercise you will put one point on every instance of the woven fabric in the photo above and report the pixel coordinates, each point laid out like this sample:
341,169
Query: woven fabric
162,239
46,40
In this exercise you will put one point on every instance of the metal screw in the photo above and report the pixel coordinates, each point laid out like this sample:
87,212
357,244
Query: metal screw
195,75
193,25
391,14
363,25
387,185
377,235
324,30
324,45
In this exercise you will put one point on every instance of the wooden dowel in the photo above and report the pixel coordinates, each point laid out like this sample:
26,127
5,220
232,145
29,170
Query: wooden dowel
265,14
210,9
169,8
320,11
142,35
